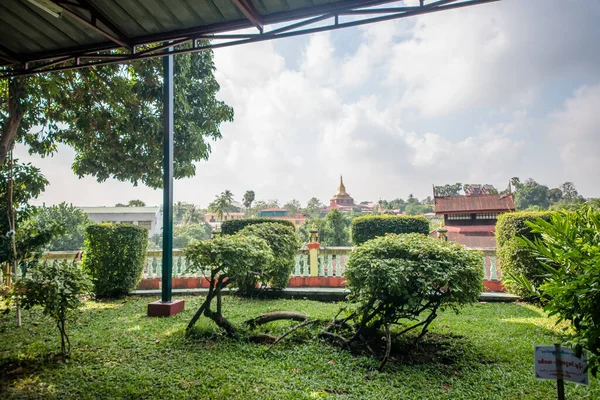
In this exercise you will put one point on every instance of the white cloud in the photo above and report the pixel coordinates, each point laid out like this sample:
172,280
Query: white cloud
576,131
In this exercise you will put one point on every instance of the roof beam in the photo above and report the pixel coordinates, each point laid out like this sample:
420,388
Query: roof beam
246,7
116,37
9,56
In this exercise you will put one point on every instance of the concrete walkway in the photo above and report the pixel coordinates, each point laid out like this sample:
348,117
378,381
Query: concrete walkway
314,293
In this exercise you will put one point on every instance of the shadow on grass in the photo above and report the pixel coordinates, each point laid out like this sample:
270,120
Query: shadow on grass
16,369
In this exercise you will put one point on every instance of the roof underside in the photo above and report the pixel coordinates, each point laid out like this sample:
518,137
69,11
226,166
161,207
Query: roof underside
482,203
45,35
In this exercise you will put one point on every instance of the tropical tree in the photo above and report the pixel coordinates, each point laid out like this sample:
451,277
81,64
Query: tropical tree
337,227
555,195
569,193
112,117
222,204
314,207
193,215
248,198
530,193
292,206
72,219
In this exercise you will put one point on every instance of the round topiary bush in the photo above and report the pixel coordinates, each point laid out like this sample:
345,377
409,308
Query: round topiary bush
372,226
514,259
400,277
284,242
114,257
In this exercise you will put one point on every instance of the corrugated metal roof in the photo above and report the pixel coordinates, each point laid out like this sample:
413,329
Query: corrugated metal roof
68,34
481,203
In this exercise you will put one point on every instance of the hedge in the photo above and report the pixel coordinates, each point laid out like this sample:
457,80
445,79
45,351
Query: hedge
236,225
515,259
114,257
370,227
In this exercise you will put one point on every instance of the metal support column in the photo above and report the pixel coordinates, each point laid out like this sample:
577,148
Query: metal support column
167,248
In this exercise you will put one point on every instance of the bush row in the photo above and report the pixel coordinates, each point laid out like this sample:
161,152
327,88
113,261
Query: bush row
236,225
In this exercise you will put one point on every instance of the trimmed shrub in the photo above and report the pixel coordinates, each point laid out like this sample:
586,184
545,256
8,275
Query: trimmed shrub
400,277
284,242
515,260
370,227
114,257
234,226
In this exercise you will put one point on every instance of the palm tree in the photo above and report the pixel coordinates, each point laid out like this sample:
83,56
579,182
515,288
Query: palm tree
249,197
222,204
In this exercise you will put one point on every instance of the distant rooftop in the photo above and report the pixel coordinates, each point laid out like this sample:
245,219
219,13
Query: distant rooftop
120,210
479,203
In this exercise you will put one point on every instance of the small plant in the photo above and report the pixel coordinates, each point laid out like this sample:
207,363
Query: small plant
284,242
568,248
397,279
114,257
57,287
370,227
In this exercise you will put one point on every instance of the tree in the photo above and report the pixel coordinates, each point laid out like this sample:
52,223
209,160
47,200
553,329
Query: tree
189,233
72,219
112,117
530,193
314,207
448,190
248,198
292,206
569,193
193,215
397,204
555,195
136,203
338,229
222,204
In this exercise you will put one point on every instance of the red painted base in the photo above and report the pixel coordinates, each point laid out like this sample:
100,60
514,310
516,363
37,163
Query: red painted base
160,309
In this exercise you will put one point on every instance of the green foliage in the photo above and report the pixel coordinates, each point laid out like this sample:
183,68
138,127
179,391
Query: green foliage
72,219
57,288
188,233
292,207
515,260
233,226
249,197
314,207
568,248
530,193
30,237
338,229
448,190
112,116
369,227
222,204
284,243
114,257
399,277
230,257
132,203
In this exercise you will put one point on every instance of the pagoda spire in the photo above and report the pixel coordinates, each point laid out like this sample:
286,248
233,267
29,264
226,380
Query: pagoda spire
341,188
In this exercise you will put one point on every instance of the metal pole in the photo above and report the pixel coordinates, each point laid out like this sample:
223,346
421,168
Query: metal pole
560,383
167,249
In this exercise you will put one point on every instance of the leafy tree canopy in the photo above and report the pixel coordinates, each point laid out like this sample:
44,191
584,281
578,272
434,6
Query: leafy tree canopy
72,219
112,117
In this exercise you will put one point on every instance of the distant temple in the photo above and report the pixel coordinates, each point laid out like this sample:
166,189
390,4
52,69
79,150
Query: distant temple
471,219
343,202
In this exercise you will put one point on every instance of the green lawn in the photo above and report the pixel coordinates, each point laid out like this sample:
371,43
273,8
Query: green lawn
486,352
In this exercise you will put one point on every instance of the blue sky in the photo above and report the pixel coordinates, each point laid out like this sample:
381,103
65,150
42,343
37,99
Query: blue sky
474,95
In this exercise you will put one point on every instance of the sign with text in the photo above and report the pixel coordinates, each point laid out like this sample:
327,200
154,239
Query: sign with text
561,364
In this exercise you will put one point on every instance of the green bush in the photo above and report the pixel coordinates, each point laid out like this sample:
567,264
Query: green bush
400,277
370,227
515,260
284,242
569,250
114,257
57,287
236,225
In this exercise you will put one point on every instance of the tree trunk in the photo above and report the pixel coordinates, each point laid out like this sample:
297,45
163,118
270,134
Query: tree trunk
16,93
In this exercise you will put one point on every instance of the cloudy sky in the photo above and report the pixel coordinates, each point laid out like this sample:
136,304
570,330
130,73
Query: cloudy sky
474,95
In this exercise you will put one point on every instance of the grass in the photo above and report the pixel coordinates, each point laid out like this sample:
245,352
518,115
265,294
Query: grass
486,352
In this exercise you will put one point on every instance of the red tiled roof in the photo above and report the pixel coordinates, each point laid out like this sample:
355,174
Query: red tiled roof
480,203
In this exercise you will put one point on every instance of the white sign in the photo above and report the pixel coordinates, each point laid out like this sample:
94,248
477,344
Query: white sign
569,368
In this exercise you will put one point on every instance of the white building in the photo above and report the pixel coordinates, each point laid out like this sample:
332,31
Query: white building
147,217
